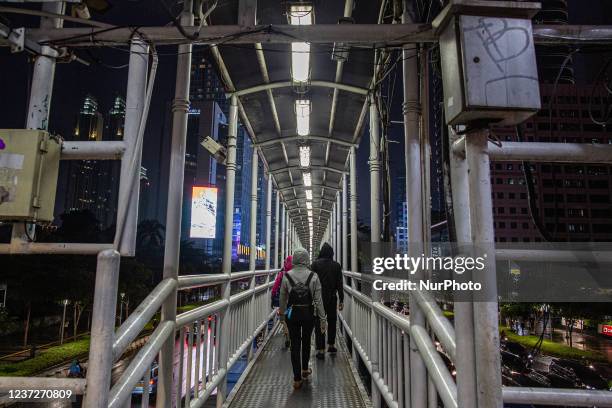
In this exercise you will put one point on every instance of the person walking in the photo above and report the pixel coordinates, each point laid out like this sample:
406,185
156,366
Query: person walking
300,300
329,273
287,266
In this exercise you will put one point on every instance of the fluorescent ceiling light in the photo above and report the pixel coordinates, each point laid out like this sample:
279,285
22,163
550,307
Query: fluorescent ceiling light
309,205
307,178
300,14
305,156
308,194
309,213
302,116
300,62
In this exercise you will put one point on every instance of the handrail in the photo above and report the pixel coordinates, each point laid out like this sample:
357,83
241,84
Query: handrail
199,312
437,370
194,281
442,327
557,396
138,319
139,365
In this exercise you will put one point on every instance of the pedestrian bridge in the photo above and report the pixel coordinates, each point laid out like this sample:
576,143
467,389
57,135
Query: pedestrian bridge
303,88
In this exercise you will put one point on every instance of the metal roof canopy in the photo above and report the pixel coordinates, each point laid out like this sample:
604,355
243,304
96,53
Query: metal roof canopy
261,77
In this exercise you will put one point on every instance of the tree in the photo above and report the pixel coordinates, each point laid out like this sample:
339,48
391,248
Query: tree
150,235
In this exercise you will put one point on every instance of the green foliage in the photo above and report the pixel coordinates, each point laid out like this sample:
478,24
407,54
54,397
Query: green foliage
553,348
47,359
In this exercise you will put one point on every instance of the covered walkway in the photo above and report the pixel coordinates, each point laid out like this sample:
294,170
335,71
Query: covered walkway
269,381
304,81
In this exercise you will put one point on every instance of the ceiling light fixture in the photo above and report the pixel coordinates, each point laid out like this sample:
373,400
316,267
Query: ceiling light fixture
305,156
307,179
302,116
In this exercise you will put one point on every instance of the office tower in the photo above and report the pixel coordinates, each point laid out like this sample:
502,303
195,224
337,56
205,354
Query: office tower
573,200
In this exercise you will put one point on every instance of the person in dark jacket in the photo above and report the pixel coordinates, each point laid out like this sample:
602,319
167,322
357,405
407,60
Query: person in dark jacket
330,276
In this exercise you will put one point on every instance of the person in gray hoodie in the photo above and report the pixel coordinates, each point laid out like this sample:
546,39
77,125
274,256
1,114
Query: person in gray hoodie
300,301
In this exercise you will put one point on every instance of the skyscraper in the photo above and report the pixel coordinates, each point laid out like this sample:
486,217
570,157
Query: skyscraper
89,184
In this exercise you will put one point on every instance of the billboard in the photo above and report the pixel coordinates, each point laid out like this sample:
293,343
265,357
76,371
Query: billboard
203,212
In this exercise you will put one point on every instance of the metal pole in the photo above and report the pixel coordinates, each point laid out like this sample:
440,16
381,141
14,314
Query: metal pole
63,322
253,238
230,185
339,230
102,330
268,221
282,231
486,334
353,175
276,224
414,199
134,108
344,224
465,359
180,107
40,95
374,163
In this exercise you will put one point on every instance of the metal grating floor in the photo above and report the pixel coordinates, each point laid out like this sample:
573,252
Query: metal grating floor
270,382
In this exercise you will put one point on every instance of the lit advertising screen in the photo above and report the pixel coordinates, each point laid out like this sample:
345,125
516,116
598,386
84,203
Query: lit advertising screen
203,212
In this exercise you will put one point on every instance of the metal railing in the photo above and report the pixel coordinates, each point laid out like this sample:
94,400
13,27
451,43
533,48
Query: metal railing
383,339
201,370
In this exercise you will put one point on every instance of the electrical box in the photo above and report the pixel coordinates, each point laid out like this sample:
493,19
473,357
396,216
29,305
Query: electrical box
29,165
489,69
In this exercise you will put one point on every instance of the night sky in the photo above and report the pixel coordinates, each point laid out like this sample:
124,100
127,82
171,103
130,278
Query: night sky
73,81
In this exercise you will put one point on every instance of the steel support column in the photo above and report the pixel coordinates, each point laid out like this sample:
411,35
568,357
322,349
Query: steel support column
465,360
339,231
268,221
486,334
344,225
353,175
414,199
276,223
253,231
129,180
374,165
282,233
102,333
230,186
180,108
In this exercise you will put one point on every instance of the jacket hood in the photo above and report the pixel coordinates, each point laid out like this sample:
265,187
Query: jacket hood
288,265
326,251
301,257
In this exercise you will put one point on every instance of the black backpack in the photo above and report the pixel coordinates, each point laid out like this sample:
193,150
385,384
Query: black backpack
300,298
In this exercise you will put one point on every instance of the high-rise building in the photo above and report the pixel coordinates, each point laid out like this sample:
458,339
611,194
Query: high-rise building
574,201
89,184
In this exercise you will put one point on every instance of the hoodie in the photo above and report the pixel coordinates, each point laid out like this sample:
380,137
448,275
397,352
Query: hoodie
288,265
330,275
300,273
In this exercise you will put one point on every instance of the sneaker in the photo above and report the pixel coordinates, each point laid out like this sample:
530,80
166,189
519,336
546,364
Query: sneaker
297,385
332,349
320,356
306,373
